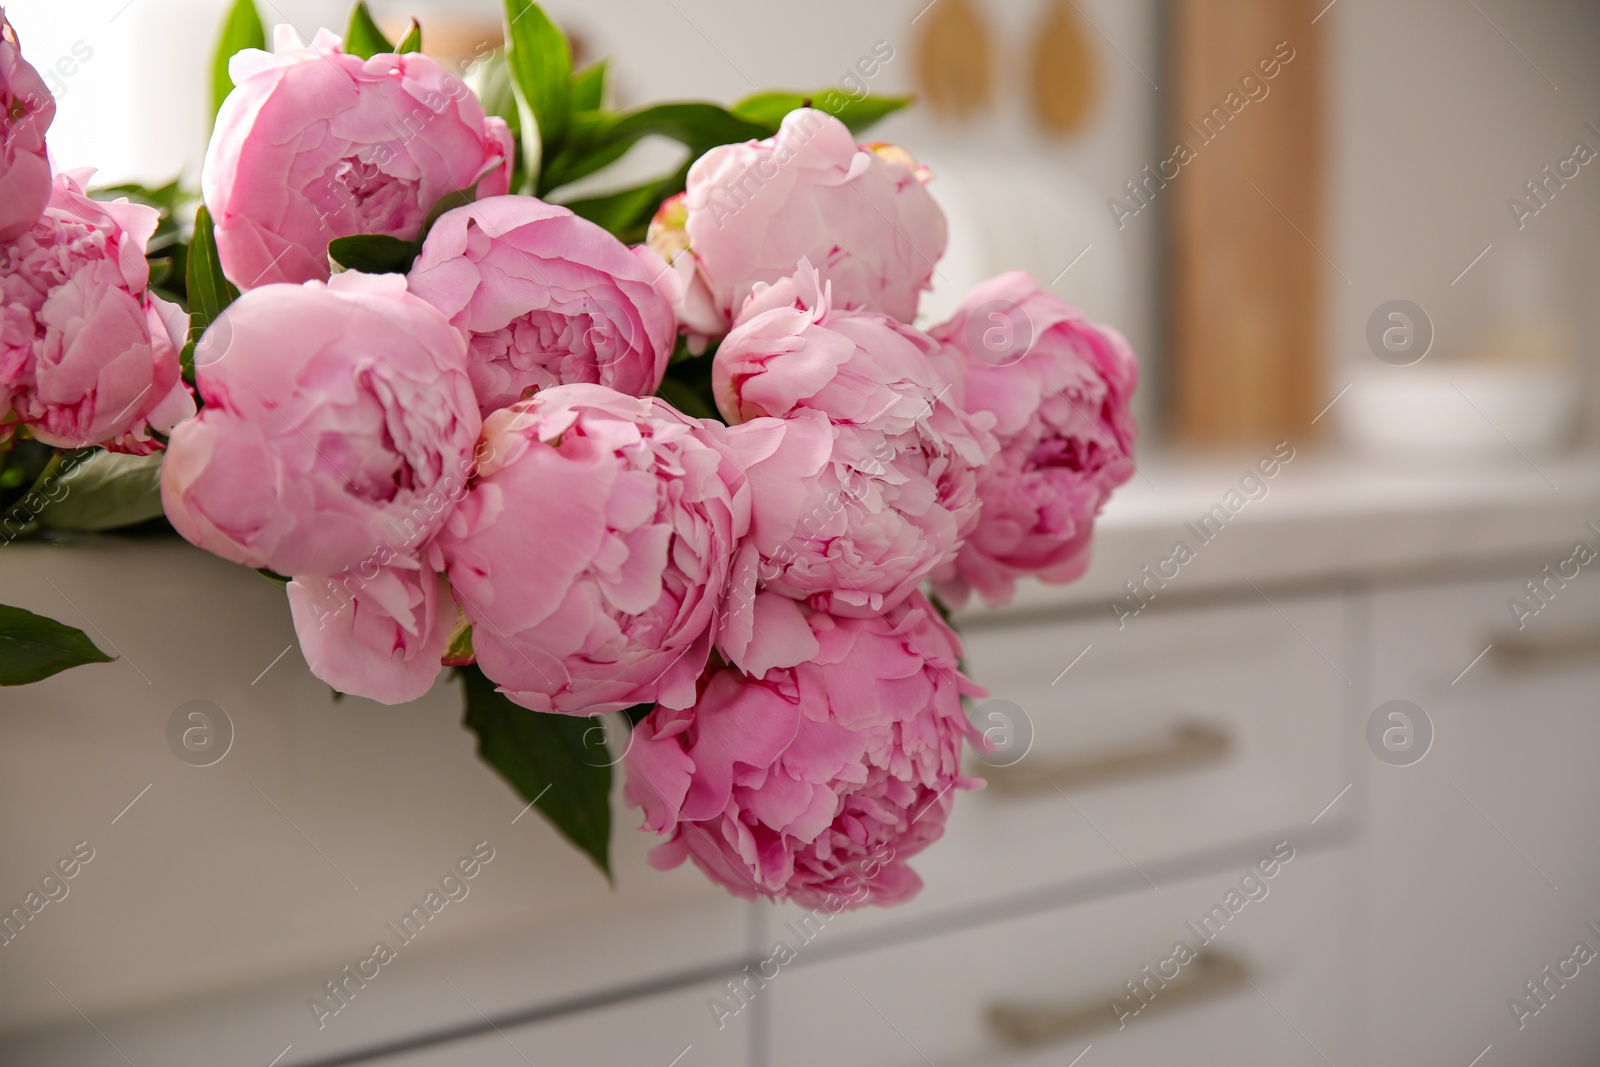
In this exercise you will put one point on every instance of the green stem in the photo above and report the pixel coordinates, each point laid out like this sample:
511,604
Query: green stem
17,511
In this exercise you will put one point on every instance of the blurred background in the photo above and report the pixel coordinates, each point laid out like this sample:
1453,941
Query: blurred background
1354,244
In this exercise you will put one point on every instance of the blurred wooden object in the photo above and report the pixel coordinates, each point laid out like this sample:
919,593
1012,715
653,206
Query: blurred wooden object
460,41
955,59
1246,269
451,40
1064,70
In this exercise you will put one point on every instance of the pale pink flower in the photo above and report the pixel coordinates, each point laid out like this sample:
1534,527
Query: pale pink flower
592,554
315,143
339,428
544,298
814,783
87,354
376,631
1059,388
26,111
871,482
751,212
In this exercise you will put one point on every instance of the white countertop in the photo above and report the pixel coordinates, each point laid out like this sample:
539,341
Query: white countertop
1325,517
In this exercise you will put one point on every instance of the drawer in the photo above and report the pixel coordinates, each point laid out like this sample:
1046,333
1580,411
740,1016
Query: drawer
1276,989
220,897
672,1030
1497,819
1185,730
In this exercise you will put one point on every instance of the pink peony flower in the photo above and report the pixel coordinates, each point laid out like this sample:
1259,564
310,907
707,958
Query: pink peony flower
592,554
859,213
544,298
815,783
314,144
679,276
378,630
339,428
1059,388
873,481
26,111
87,354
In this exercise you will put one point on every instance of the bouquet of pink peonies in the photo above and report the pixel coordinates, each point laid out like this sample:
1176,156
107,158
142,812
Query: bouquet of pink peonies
679,452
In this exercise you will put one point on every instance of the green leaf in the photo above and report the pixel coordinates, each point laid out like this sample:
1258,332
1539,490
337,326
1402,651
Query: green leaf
33,647
166,198
449,202
412,41
687,399
362,37
458,650
587,150
373,253
769,108
599,142
380,253
681,350
496,92
627,213
545,759
541,70
589,87
694,124
37,466
209,289
241,29
499,97
687,387
106,491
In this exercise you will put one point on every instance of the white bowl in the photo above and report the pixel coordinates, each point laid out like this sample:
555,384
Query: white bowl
1463,410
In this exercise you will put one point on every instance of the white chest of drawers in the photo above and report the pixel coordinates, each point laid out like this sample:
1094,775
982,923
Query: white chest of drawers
1167,757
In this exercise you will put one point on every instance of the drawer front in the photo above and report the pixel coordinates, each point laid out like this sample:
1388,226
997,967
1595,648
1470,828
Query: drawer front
1275,987
673,1030
1182,731
1498,819
247,870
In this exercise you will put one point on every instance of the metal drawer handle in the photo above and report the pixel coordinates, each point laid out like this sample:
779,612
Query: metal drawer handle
1188,744
1032,1025
1517,650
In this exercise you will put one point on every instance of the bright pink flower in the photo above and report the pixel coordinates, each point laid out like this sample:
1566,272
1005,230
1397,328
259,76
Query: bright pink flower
1059,388
544,298
871,482
817,783
375,631
592,553
859,213
339,428
87,354
315,143
26,111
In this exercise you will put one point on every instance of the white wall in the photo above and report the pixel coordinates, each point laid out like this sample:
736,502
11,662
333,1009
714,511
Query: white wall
1437,121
